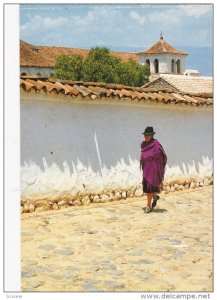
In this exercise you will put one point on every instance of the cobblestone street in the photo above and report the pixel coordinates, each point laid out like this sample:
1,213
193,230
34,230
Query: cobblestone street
115,246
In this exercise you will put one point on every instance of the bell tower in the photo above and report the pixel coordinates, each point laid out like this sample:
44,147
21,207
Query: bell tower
163,58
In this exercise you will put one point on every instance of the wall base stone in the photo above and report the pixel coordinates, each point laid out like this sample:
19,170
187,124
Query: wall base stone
29,206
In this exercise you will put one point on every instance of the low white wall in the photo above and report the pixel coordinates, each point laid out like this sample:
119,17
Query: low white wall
36,70
70,148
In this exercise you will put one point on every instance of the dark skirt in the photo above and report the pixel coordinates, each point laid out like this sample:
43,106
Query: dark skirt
150,189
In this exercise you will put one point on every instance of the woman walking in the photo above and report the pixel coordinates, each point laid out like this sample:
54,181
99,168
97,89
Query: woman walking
152,161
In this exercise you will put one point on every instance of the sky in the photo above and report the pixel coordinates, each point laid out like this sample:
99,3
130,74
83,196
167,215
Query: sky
120,25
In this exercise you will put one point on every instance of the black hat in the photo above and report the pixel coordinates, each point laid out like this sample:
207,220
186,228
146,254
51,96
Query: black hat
148,131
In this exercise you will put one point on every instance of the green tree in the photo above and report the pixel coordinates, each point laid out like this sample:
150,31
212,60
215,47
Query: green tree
131,73
101,66
69,67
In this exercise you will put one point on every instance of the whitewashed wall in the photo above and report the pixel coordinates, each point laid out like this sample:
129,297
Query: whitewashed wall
68,148
36,70
165,62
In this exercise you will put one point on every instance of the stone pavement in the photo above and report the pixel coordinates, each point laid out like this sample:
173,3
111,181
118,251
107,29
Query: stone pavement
117,247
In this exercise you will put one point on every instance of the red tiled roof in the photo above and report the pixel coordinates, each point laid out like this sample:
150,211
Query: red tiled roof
45,56
160,47
97,90
184,84
30,57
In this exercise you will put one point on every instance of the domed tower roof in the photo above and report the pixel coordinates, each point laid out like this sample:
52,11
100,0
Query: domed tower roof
161,47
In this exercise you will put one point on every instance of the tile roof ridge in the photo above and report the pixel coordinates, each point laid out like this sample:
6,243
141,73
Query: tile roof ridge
26,43
109,85
122,52
100,90
162,42
184,76
89,83
63,47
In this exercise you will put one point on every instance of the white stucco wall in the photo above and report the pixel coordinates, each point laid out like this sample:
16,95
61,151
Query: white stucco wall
90,147
165,62
35,70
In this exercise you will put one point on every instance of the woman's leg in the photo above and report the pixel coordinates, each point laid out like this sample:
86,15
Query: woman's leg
155,198
149,198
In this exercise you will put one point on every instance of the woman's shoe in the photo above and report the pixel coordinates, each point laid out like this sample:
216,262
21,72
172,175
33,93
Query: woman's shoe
154,203
148,210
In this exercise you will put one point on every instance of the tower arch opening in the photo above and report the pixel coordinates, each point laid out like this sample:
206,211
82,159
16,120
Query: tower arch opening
178,66
173,66
156,66
147,62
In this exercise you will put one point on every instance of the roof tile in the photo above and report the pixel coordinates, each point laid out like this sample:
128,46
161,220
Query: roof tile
116,91
82,89
27,86
71,90
201,85
45,56
160,47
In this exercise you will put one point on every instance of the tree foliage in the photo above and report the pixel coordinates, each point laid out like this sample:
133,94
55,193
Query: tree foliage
69,67
101,66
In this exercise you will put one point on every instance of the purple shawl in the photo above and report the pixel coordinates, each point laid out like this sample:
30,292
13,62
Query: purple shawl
153,160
